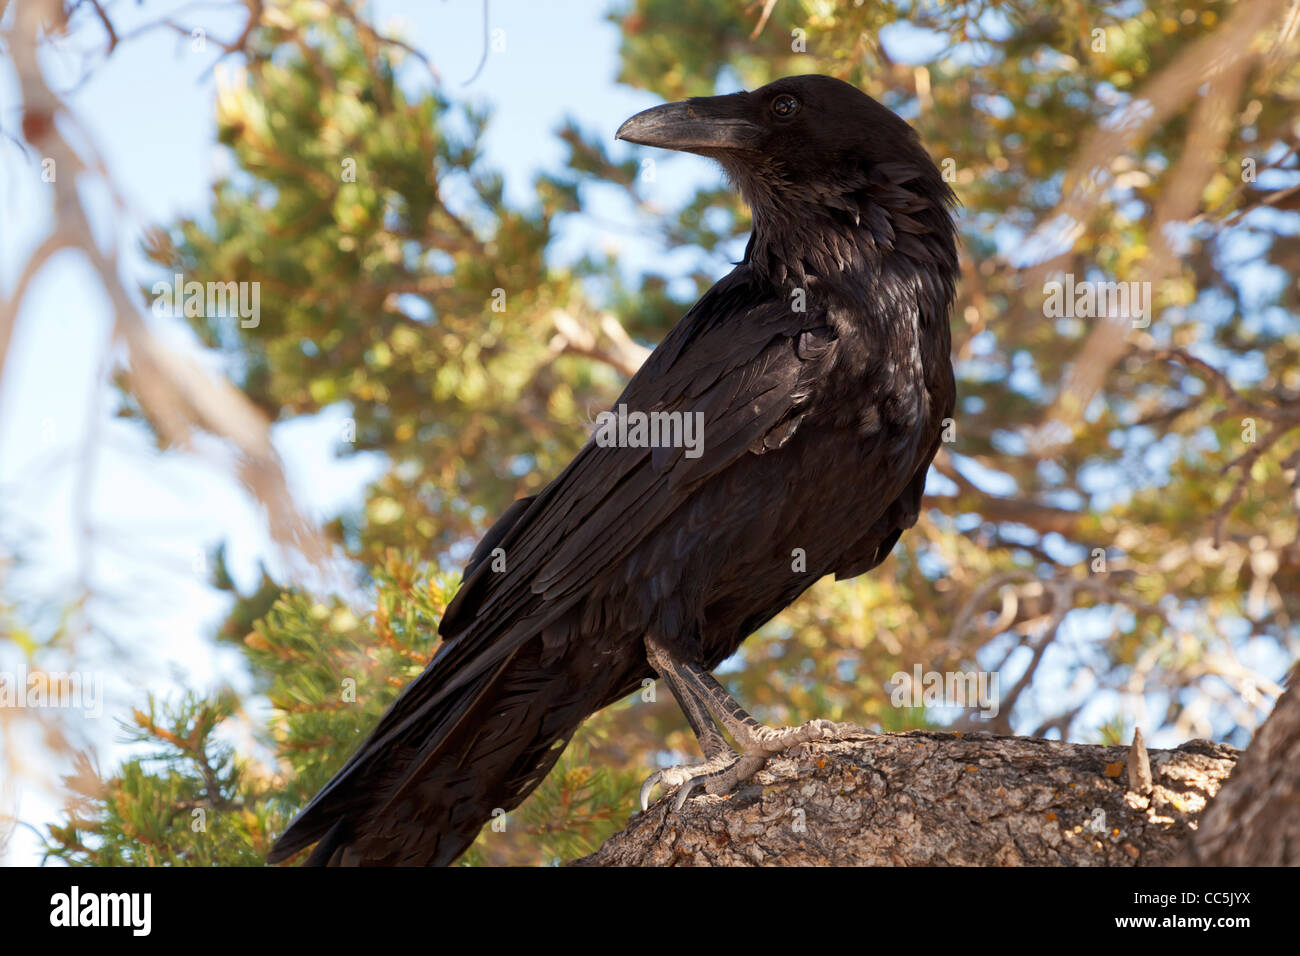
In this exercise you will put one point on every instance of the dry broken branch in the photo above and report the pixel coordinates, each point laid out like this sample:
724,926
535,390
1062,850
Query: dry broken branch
177,396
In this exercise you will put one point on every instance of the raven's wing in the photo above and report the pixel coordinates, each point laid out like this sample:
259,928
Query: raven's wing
745,362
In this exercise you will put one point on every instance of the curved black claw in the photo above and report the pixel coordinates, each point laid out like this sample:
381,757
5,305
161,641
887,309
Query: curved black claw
718,782
648,787
679,778
672,779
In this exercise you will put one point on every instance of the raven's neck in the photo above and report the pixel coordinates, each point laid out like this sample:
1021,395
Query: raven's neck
881,259
842,244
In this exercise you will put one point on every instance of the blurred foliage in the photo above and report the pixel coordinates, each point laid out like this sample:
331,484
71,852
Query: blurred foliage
190,802
1135,559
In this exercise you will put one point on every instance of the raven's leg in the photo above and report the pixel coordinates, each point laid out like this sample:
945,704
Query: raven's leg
699,694
718,755
752,736
697,713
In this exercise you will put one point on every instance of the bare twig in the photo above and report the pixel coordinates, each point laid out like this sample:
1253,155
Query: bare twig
1222,59
768,7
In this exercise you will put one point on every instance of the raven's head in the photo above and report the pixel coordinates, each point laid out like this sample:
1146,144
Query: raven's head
834,179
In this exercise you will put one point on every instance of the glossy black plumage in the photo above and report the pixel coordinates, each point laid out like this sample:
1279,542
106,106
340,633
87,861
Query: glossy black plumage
819,426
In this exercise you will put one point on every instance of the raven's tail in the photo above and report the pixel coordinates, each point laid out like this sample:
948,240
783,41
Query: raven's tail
437,768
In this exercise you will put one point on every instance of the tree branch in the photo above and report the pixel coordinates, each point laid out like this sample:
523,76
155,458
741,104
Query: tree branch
925,798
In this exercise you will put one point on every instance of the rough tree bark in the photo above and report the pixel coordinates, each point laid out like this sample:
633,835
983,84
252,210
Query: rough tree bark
925,798
1255,821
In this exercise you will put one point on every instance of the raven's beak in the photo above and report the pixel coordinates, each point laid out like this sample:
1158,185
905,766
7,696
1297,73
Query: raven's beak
702,123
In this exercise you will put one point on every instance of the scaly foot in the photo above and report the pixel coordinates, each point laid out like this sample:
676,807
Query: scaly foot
725,771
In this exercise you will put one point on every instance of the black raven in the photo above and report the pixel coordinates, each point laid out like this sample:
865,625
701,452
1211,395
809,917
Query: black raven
820,371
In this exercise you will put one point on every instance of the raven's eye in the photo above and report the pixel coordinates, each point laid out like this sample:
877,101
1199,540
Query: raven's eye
785,105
